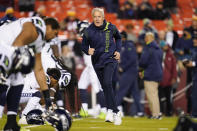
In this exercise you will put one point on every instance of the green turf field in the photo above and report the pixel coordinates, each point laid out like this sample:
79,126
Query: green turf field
129,124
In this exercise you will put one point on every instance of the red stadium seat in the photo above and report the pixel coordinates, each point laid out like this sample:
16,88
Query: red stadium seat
2,14
159,24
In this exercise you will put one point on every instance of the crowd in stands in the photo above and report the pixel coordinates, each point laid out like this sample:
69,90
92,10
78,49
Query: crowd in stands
130,10
175,48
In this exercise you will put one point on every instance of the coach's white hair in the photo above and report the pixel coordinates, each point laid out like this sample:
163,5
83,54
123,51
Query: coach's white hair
99,10
150,34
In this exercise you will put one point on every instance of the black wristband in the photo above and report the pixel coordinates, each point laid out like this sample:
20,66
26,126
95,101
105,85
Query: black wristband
47,98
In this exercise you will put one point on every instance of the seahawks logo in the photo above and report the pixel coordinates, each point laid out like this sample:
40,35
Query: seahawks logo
48,80
37,22
5,60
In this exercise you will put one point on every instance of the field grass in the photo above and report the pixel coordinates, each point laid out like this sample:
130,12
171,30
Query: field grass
129,124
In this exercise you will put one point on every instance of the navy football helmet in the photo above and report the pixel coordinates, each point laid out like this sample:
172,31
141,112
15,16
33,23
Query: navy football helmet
81,26
60,119
35,117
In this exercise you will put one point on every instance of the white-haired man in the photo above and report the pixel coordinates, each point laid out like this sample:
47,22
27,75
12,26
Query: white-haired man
98,41
151,71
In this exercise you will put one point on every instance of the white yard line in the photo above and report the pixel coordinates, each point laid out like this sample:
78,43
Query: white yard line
31,126
120,128
163,129
78,119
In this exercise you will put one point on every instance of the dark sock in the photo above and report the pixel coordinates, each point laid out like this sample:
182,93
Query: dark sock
83,95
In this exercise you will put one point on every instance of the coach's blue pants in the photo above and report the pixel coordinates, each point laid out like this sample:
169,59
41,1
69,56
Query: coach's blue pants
105,76
194,98
128,82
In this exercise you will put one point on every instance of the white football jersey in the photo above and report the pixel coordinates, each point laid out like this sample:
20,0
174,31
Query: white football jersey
46,55
30,82
87,60
47,46
6,57
9,32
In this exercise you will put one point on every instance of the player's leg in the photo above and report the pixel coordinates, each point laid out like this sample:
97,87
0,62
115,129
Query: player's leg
194,103
3,90
32,98
30,95
125,83
32,103
100,108
136,96
101,102
13,98
83,83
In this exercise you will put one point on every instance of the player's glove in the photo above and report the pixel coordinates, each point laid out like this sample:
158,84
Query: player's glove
23,60
47,99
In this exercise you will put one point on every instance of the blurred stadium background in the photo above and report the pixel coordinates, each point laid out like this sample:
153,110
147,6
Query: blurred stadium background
60,9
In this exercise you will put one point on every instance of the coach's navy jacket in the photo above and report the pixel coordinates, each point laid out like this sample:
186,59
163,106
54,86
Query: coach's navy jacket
105,39
151,62
128,59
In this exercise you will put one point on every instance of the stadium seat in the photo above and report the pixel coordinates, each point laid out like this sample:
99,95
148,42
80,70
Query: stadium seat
2,14
159,24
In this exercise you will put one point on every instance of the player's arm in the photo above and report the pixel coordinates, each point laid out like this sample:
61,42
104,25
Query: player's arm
27,35
53,91
39,72
41,79
55,50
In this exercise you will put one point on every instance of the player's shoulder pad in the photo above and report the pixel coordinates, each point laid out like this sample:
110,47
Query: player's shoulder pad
40,25
55,41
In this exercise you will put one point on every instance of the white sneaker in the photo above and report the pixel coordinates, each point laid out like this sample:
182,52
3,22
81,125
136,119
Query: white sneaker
22,120
94,111
110,116
118,118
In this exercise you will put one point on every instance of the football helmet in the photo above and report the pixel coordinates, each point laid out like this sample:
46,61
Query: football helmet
81,26
60,119
64,79
35,117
